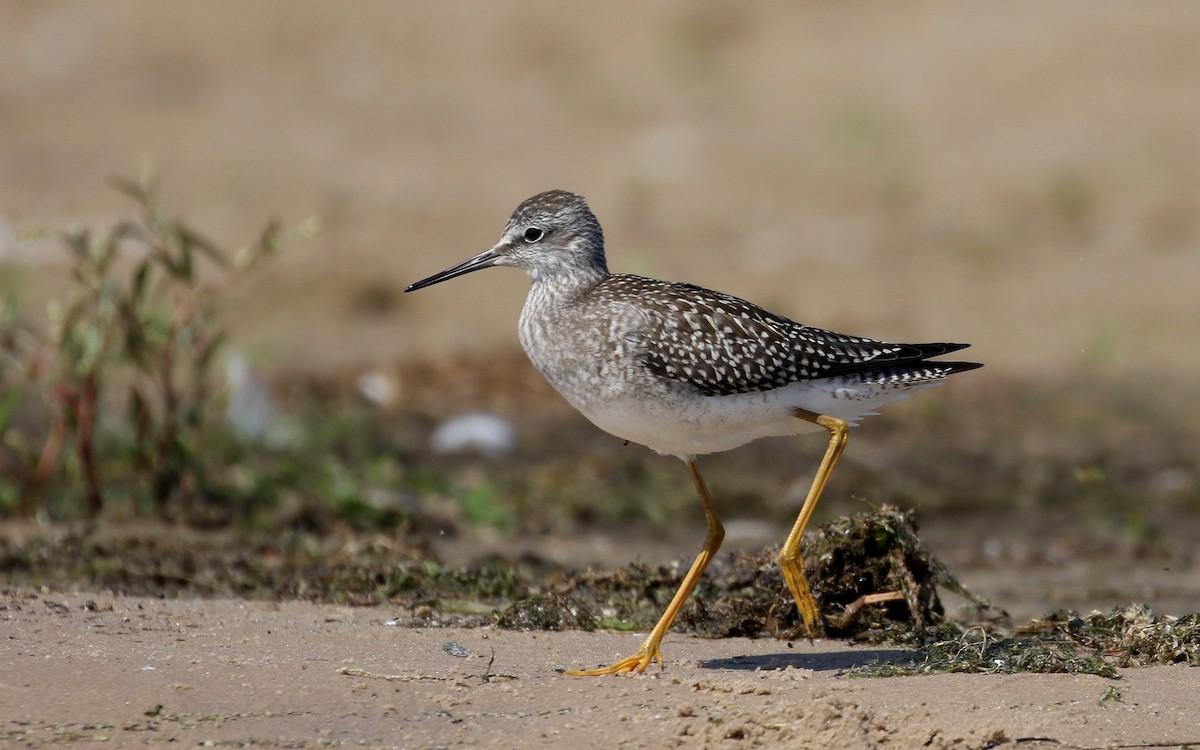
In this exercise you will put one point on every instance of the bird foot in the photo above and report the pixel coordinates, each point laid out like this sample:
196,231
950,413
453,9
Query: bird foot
793,573
638,662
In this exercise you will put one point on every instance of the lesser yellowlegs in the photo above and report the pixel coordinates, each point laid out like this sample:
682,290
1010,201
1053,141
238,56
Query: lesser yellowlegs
687,371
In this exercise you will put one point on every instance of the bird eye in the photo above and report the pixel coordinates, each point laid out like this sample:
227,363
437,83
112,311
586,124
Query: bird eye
533,234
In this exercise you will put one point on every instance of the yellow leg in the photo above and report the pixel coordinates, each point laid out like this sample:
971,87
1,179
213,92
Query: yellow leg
789,556
649,652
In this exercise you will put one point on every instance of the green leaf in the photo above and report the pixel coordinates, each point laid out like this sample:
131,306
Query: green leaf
184,268
141,276
8,404
192,239
206,351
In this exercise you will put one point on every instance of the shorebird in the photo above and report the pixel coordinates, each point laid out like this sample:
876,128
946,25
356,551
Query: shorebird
687,371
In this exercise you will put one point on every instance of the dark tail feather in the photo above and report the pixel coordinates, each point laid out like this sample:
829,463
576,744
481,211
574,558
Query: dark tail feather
954,367
911,358
916,372
936,350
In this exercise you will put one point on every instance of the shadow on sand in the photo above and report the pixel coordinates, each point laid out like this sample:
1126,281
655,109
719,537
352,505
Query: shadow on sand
828,662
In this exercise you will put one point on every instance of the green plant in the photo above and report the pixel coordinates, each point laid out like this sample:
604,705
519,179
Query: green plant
139,328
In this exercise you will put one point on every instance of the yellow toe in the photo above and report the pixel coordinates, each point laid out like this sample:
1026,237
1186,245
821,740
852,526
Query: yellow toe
638,662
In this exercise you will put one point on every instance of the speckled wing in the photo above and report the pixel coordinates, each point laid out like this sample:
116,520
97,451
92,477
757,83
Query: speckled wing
724,345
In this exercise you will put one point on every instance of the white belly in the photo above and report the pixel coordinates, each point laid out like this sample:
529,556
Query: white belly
685,425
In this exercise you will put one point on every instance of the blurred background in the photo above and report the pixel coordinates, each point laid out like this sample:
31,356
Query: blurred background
1024,177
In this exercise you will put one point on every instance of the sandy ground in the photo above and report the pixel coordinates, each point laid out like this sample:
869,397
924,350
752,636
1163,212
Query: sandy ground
93,669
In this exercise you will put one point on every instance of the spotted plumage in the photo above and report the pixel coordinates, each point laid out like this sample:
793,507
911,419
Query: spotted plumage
724,345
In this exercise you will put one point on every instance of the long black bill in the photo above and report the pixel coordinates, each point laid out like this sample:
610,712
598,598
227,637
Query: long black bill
486,259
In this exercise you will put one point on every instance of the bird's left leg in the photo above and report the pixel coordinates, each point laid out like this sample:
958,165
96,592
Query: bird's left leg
789,556
649,652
